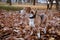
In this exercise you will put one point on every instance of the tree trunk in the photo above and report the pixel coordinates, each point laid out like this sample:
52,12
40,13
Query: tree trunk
33,2
10,2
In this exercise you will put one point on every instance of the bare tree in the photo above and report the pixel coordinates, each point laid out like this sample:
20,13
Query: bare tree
34,2
9,1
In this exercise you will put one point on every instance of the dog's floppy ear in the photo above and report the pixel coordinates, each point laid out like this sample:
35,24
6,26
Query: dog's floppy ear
35,11
28,9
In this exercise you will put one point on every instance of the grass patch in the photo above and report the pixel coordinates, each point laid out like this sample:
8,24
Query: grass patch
10,8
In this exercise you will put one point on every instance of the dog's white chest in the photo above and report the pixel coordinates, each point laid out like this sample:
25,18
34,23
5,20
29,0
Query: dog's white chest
31,22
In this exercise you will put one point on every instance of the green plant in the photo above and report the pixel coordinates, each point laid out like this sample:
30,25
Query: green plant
10,8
